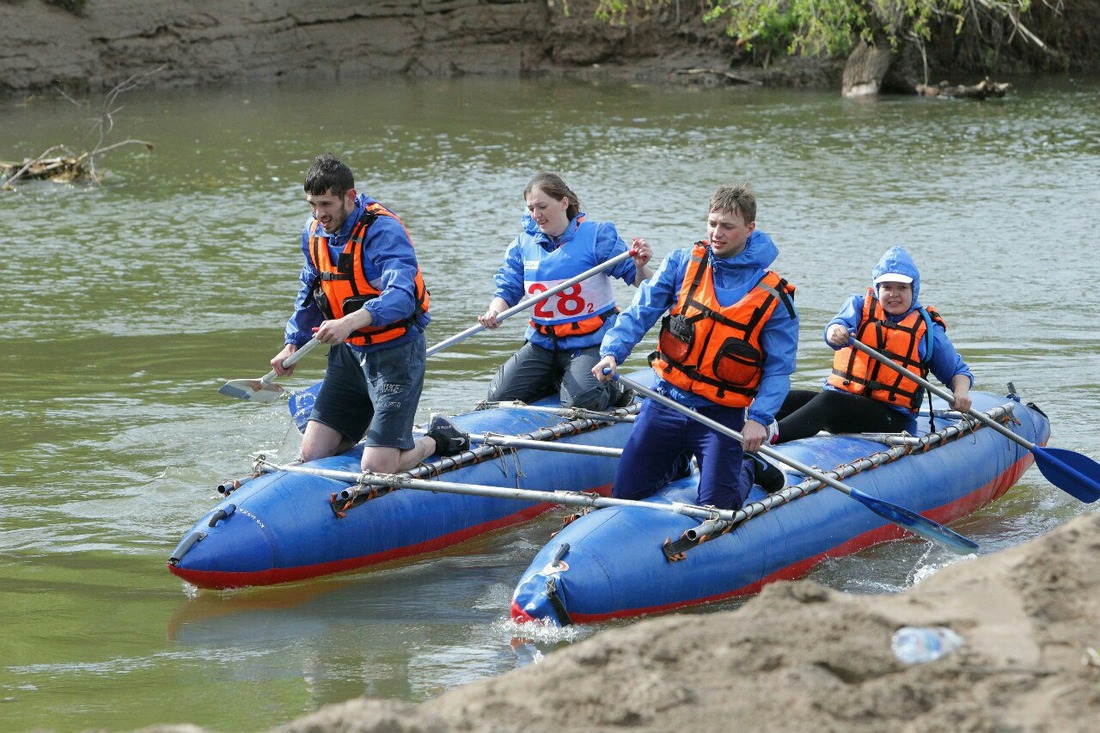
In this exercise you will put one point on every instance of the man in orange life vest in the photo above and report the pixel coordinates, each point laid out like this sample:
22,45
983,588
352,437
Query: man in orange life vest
861,394
362,293
726,349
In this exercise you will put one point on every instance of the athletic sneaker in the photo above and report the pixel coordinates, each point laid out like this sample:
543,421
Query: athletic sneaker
449,440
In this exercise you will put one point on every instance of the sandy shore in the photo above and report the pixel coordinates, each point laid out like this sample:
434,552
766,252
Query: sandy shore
800,657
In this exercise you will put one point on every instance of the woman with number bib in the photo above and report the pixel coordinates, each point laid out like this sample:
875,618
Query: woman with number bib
562,340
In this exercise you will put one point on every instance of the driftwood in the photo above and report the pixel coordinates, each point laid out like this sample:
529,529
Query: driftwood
61,165
59,168
982,90
63,168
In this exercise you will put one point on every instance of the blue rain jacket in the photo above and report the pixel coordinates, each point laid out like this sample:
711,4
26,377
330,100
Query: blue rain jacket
509,279
946,363
389,263
733,278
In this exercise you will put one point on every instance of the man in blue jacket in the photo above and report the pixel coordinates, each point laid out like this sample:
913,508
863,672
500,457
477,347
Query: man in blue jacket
362,292
726,349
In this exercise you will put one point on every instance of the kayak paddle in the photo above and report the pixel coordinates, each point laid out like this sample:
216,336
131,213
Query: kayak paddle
264,389
1076,474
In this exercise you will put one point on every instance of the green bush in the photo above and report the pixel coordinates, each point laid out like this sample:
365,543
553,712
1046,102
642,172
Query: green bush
828,27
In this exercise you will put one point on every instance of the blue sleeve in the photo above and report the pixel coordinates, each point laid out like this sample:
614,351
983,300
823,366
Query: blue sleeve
849,316
654,297
390,265
779,339
307,314
609,244
509,277
946,362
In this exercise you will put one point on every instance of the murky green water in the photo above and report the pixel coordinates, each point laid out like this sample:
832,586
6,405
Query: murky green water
127,305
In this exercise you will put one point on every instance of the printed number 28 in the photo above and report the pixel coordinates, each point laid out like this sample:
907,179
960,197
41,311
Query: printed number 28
569,301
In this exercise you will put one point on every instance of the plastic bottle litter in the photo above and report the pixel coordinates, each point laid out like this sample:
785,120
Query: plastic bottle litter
917,645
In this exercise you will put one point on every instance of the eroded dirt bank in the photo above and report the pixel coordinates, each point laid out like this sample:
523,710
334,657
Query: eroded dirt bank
209,42
204,42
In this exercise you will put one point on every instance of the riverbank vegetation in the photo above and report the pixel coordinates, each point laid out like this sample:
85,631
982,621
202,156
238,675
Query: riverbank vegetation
836,27
889,45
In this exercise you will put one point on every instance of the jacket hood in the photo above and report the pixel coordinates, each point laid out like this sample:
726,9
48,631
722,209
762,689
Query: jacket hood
759,253
532,229
897,261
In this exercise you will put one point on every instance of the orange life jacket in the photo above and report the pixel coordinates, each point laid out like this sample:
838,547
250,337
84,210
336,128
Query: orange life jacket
712,350
574,328
858,373
343,288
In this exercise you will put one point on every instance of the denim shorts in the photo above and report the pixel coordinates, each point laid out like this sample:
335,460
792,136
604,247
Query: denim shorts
373,393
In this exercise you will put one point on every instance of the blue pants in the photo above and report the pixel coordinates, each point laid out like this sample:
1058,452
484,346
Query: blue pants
662,435
373,393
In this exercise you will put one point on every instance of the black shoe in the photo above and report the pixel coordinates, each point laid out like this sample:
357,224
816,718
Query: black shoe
449,440
622,397
767,476
681,468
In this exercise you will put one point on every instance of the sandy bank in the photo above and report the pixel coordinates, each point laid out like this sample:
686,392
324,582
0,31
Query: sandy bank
800,657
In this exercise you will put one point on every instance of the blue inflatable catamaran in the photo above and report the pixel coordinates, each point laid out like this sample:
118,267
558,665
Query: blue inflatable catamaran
290,523
628,561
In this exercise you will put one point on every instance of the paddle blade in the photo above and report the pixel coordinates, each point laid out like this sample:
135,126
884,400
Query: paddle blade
915,523
1076,474
252,389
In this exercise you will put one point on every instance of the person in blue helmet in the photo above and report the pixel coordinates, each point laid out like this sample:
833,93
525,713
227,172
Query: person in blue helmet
561,343
726,349
863,395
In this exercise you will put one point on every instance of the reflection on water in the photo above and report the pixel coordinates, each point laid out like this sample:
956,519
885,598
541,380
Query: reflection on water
127,306
409,632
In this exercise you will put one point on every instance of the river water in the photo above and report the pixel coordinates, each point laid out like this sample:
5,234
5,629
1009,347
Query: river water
125,307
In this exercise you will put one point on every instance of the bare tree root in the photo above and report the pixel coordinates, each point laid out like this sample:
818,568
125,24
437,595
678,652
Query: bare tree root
68,167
